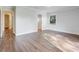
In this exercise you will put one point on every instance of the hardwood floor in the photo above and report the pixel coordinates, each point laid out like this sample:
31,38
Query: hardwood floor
7,42
33,42
64,41
46,41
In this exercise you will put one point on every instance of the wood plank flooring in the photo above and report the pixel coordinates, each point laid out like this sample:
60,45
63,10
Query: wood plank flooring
33,42
64,41
46,41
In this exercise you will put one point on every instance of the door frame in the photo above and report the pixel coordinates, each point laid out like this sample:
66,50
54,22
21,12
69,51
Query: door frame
2,20
10,18
39,28
10,13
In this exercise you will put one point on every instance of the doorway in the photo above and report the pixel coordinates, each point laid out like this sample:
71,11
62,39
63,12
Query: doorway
39,23
7,21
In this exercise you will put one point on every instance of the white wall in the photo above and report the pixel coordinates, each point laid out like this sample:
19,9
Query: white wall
0,23
66,21
14,19
26,21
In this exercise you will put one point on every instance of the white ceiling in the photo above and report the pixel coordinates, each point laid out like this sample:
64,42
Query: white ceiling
47,8
52,8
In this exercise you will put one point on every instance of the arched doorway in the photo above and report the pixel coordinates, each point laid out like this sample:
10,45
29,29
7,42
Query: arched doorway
39,23
7,21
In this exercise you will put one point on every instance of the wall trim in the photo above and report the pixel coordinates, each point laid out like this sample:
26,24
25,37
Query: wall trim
63,31
24,33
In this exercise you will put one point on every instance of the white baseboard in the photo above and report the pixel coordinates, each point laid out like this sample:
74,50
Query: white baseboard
63,31
47,29
24,33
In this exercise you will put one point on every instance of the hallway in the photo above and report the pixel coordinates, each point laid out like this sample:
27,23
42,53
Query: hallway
7,42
